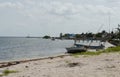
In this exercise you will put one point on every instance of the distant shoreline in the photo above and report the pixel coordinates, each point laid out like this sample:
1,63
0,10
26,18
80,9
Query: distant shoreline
18,37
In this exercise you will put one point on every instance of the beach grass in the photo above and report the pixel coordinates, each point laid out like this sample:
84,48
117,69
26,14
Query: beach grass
113,49
7,72
76,55
92,53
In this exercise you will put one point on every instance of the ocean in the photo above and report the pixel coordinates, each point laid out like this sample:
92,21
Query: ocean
13,48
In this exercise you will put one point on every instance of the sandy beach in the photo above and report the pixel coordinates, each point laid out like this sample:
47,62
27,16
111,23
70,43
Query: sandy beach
104,65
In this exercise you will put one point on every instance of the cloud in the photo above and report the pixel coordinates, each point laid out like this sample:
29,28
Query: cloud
11,5
33,8
67,14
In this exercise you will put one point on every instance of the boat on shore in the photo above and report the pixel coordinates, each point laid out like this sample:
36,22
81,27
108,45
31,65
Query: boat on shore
76,49
84,46
89,46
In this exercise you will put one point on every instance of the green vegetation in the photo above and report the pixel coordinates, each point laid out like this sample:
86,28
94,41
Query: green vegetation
108,50
1,75
113,49
87,53
77,36
6,72
112,36
46,37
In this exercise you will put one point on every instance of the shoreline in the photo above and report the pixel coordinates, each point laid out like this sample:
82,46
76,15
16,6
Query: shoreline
103,65
15,62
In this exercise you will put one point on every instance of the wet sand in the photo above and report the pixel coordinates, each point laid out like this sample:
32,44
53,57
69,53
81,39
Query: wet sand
104,65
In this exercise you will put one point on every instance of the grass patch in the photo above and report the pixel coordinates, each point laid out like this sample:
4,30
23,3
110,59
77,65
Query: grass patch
87,53
7,72
91,53
108,50
113,49
1,75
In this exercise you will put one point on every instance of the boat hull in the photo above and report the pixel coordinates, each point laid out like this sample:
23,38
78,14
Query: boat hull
75,49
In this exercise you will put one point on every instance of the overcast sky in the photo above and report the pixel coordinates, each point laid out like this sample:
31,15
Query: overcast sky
51,17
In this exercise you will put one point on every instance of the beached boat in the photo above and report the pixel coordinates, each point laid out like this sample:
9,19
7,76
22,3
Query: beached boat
84,46
76,49
88,45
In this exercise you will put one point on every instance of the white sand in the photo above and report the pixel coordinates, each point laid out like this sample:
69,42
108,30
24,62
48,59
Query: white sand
104,65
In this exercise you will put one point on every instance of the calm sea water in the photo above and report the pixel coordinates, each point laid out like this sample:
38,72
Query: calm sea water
24,48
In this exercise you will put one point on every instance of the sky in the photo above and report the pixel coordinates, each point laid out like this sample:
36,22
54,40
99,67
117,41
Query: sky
52,17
